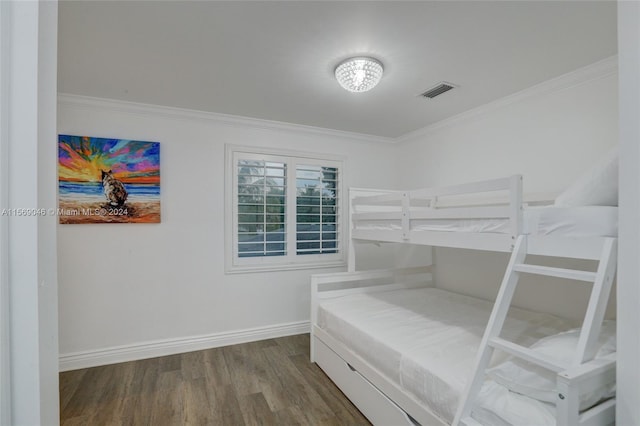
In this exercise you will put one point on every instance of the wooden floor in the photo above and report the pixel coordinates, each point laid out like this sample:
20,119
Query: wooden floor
271,382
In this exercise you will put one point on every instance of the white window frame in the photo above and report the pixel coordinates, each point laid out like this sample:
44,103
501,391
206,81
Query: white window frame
236,264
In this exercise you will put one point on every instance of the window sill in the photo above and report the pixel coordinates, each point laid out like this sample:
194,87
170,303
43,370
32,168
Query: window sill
247,269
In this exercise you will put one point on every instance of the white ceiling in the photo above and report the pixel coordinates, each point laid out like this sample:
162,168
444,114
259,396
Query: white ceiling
275,60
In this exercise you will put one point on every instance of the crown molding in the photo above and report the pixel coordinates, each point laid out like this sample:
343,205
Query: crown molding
589,73
80,101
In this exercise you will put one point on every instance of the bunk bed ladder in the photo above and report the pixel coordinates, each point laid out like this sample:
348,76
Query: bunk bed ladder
567,409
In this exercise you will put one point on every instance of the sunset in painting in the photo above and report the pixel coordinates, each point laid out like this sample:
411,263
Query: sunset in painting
108,180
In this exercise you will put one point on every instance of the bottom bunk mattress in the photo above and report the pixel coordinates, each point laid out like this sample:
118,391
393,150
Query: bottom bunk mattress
426,340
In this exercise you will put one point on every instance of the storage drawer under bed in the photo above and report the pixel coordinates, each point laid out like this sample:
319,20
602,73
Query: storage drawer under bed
379,409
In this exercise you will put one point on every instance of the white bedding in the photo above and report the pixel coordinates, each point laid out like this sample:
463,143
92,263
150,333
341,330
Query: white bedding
497,406
584,221
426,339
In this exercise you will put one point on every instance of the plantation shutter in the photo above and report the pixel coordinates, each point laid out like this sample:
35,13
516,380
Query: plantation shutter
262,189
316,209
284,211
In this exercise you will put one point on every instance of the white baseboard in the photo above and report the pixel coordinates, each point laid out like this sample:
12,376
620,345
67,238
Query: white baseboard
152,349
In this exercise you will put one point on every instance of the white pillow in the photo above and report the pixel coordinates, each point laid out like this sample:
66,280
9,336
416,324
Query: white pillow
597,187
539,383
498,406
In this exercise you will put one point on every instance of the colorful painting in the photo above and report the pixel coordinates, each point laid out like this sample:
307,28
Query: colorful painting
108,180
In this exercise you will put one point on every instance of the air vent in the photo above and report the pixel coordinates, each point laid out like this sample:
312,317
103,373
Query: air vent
438,90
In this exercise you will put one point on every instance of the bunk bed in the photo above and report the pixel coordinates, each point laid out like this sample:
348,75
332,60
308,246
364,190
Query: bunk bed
406,352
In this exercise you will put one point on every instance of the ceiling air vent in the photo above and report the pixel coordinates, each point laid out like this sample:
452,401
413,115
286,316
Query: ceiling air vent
438,90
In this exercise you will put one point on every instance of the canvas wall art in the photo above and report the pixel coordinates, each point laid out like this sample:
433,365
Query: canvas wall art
108,180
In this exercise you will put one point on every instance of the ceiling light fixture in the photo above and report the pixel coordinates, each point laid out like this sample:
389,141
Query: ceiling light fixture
359,74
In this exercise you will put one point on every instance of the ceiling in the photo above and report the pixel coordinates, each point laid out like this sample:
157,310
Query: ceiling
275,60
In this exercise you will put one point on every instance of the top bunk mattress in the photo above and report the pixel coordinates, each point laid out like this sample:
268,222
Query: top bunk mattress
584,221
425,340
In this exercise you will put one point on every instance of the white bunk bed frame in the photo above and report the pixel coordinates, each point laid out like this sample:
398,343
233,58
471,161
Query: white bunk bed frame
380,399
428,204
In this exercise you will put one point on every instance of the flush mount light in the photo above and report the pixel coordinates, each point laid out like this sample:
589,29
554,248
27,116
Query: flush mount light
359,74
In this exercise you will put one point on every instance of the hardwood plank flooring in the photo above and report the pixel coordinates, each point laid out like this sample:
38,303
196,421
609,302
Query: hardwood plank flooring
271,382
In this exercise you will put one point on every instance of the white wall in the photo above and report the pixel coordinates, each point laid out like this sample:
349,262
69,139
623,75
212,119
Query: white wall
550,134
127,284
5,318
28,151
47,172
628,369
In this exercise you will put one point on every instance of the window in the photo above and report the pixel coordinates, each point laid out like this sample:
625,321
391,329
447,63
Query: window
284,210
